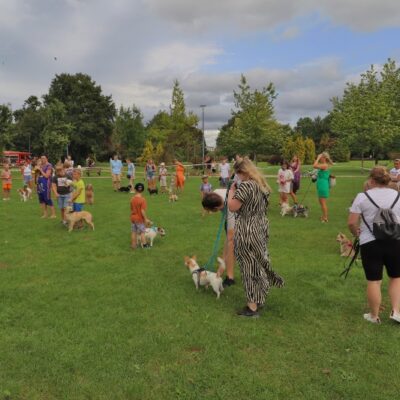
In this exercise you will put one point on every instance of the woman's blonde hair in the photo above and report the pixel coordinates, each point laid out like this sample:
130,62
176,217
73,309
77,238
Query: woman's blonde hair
380,175
327,157
245,166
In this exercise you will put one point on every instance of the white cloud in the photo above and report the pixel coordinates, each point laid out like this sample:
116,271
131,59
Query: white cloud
364,15
179,57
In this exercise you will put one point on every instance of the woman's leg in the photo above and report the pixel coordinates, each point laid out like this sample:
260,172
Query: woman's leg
394,294
374,297
324,209
294,197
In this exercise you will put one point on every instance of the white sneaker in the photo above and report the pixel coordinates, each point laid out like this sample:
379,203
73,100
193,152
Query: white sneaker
395,316
370,318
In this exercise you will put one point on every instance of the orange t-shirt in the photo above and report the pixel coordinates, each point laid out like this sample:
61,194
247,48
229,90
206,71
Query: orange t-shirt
138,204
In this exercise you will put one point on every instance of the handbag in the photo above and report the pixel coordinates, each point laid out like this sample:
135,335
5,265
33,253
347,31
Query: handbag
332,181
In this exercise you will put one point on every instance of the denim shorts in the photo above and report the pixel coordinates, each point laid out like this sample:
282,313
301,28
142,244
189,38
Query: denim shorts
63,200
27,179
138,228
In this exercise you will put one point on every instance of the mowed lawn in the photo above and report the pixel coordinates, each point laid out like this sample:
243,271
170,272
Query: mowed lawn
82,316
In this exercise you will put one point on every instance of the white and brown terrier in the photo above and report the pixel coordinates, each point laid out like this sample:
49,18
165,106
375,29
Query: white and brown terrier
25,193
202,277
172,196
346,245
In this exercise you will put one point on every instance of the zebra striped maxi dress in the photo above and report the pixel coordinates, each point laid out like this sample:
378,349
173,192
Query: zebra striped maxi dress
251,241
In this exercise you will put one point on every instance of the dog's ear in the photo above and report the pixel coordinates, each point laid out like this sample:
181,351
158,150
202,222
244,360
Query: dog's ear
186,258
194,257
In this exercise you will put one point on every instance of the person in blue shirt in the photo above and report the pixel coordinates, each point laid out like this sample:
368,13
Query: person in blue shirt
116,171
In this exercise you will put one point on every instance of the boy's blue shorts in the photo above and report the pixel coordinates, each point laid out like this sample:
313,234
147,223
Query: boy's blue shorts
77,207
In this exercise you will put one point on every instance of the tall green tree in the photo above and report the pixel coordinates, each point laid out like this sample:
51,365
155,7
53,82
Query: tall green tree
29,125
90,112
253,129
366,117
129,132
6,121
57,131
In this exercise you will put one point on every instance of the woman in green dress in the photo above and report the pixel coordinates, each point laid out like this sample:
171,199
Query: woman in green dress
323,164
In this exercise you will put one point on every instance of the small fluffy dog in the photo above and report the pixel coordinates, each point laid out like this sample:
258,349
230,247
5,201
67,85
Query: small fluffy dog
202,277
74,217
25,193
298,210
346,245
172,196
126,189
286,209
151,233
89,194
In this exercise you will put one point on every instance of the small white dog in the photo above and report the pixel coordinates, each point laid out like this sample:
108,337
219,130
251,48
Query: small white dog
25,193
286,209
151,233
202,277
172,196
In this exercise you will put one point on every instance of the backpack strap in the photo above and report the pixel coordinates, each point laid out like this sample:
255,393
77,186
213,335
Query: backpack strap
366,224
394,203
362,216
372,201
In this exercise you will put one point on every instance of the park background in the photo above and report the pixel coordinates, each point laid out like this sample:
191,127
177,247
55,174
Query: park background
84,317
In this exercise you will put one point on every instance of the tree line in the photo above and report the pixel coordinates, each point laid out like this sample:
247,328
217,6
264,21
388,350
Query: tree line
75,116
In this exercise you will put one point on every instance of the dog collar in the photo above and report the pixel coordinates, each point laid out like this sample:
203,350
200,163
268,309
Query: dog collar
198,271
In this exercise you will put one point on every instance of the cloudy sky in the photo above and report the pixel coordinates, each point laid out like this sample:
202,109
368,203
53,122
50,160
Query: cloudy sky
135,49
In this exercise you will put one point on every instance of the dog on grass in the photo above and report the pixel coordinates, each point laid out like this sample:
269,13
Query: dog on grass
202,277
172,196
346,245
298,210
151,233
126,189
73,217
25,193
89,193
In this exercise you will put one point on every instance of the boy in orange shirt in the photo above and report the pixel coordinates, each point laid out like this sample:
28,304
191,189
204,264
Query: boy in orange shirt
7,181
138,217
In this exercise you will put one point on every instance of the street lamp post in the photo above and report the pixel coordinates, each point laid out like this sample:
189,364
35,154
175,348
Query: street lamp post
203,106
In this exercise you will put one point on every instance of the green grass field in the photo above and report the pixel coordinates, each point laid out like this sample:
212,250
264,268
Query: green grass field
84,317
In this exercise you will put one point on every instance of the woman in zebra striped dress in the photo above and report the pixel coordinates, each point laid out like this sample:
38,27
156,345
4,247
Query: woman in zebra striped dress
249,199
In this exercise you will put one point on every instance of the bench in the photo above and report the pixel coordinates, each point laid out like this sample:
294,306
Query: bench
94,170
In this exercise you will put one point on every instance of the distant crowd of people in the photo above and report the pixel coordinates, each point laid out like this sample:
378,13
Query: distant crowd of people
243,199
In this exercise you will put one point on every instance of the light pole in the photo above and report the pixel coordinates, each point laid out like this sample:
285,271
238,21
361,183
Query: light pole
203,106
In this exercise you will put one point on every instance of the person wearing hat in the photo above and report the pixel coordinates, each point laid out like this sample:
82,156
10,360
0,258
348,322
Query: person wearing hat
162,177
138,217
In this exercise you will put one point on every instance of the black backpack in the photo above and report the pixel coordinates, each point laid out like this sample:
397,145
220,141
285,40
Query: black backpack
385,225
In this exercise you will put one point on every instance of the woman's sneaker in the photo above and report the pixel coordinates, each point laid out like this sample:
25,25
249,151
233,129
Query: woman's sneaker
247,312
370,318
395,316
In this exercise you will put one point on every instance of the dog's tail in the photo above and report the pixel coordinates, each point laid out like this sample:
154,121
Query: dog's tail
221,267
